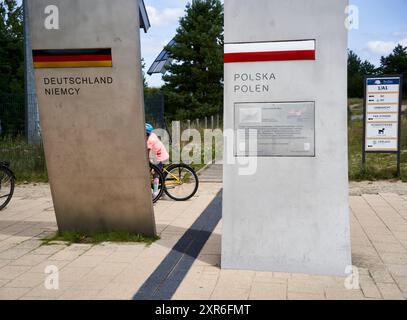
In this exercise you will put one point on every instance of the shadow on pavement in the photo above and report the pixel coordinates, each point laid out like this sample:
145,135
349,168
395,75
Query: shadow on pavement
217,238
167,277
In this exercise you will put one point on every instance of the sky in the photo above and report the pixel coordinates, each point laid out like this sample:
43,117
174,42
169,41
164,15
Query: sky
164,16
382,25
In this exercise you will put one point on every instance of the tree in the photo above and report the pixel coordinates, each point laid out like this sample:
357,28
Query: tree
355,78
357,70
396,63
12,112
11,47
194,82
367,68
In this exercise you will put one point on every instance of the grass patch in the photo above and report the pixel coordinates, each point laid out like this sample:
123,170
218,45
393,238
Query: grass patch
27,161
71,237
355,107
352,101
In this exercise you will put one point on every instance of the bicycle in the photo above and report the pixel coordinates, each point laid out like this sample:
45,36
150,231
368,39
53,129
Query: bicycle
178,181
7,184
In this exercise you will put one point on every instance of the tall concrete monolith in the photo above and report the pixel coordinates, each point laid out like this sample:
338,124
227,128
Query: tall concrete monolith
285,205
86,55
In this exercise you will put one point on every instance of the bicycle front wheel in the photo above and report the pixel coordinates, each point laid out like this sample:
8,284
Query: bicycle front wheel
6,187
180,182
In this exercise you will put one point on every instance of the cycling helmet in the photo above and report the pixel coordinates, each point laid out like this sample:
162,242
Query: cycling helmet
149,129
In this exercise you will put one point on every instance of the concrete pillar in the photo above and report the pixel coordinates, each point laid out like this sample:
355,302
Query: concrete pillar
285,204
89,87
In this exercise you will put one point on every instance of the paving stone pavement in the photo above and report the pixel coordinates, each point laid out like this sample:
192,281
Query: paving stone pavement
212,173
121,271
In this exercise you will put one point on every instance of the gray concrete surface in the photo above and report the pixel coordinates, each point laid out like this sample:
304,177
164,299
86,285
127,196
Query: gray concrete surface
94,141
286,200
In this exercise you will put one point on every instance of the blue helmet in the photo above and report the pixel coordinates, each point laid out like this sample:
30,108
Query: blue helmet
149,129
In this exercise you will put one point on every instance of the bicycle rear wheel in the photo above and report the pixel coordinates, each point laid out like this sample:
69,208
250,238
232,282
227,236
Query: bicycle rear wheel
180,182
156,172
6,186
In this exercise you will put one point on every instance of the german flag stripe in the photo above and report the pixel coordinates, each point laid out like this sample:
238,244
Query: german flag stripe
71,52
72,58
73,64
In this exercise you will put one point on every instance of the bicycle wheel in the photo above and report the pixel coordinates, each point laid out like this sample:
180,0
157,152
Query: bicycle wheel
6,186
156,172
180,182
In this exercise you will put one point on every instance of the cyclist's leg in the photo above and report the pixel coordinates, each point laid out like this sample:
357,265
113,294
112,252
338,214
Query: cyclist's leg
156,177
160,166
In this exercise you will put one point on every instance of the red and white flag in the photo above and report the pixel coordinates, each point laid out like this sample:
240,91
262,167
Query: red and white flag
270,51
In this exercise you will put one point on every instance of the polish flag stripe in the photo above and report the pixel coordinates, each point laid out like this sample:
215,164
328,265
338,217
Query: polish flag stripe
270,51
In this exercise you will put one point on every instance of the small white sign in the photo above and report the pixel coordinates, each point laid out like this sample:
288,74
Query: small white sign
380,117
382,130
394,108
381,144
383,98
382,114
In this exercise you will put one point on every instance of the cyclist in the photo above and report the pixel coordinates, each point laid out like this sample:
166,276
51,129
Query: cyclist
155,145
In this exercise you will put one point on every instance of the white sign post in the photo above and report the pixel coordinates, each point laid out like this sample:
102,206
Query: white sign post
382,116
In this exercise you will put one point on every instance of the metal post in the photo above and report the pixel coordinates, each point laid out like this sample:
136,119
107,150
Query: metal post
399,164
26,45
364,125
399,127
31,106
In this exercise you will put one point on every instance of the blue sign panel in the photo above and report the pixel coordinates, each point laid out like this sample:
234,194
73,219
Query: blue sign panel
383,81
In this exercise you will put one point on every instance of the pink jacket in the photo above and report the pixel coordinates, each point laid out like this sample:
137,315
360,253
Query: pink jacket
154,143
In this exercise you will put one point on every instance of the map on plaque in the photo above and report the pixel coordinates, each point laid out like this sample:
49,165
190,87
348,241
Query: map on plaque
382,114
275,129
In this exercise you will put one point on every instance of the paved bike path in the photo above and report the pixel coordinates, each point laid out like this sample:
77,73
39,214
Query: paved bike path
212,173
168,276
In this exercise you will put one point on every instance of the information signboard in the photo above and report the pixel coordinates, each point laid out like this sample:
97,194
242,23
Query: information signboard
382,115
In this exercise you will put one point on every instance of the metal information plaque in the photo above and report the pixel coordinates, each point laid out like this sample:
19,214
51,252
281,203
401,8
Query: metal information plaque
275,129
